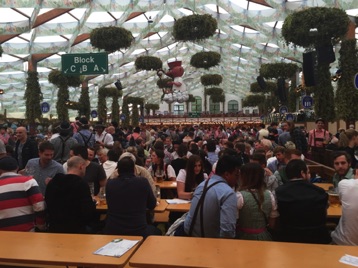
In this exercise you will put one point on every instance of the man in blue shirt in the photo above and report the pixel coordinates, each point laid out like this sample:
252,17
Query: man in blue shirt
216,202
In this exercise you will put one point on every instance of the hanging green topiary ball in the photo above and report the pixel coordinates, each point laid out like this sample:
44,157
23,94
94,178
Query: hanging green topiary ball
111,38
205,59
148,63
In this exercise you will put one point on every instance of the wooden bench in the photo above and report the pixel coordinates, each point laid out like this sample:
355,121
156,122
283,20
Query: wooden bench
324,171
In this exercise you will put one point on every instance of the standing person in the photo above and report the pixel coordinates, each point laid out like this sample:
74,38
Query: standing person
21,202
262,133
216,201
84,136
198,132
302,207
63,143
25,148
318,138
257,205
44,168
70,207
128,198
346,233
102,137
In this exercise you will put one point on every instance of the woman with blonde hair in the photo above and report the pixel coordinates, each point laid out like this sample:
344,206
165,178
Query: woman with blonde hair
348,141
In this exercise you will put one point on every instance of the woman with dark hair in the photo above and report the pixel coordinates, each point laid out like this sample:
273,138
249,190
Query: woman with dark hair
190,177
257,206
157,168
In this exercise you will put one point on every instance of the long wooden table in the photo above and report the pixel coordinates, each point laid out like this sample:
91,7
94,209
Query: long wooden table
159,208
170,252
28,248
167,184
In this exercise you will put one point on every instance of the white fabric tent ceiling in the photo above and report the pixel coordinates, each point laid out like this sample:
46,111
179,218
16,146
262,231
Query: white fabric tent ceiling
249,33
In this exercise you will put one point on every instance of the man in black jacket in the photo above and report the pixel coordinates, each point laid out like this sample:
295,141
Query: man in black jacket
25,149
69,203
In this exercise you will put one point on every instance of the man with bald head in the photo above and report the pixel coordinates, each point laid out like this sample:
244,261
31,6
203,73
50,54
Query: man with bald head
25,148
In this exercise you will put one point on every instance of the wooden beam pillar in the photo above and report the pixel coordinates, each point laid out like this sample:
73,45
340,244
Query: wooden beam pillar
32,64
351,30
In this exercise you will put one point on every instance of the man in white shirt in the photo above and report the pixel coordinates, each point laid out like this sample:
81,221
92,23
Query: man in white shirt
102,137
346,233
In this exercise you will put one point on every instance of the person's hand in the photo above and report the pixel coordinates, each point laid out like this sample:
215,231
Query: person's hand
268,172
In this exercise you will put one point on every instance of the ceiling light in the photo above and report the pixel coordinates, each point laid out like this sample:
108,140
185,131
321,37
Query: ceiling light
2,91
150,19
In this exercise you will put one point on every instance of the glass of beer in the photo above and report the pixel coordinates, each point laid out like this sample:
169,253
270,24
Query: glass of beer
159,175
333,199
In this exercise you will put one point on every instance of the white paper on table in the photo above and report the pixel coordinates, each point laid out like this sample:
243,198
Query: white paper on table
177,201
350,260
116,247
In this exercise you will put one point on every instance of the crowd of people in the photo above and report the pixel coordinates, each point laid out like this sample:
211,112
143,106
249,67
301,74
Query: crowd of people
243,182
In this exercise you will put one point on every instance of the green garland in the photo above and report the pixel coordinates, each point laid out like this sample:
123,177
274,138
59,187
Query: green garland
163,83
218,98
33,97
148,63
194,27
276,70
111,38
211,79
125,111
103,93
84,100
205,59
347,94
270,87
331,23
213,91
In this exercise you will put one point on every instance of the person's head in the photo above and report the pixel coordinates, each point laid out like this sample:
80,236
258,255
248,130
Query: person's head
125,165
240,147
341,162
79,150
320,123
258,159
111,130
291,154
112,155
182,150
297,169
193,148
228,168
46,152
3,151
76,165
99,128
252,177
157,156
194,165
159,145
168,141
8,164
21,134
348,138
91,153
64,129
83,123
279,152
102,155
211,146
284,126
262,126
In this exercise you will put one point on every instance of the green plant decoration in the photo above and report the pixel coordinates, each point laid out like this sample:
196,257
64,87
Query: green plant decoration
111,38
125,111
276,70
163,83
253,100
218,98
84,100
194,27
1,51
347,94
205,59
135,115
63,82
270,87
211,79
330,23
104,93
213,91
151,106
33,97
148,63
191,98
135,111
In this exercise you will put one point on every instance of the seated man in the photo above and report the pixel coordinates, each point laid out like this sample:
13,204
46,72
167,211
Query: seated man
69,203
302,207
217,202
342,166
128,198
21,202
346,232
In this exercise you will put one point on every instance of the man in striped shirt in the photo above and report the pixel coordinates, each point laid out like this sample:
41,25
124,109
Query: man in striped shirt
21,202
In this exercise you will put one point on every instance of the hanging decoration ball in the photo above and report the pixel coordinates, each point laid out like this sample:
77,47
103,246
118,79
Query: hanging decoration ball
205,59
194,27
111,38
148,63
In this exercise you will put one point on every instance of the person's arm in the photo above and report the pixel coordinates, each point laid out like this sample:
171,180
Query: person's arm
228,216
37,201
274,212
171,173
181,191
